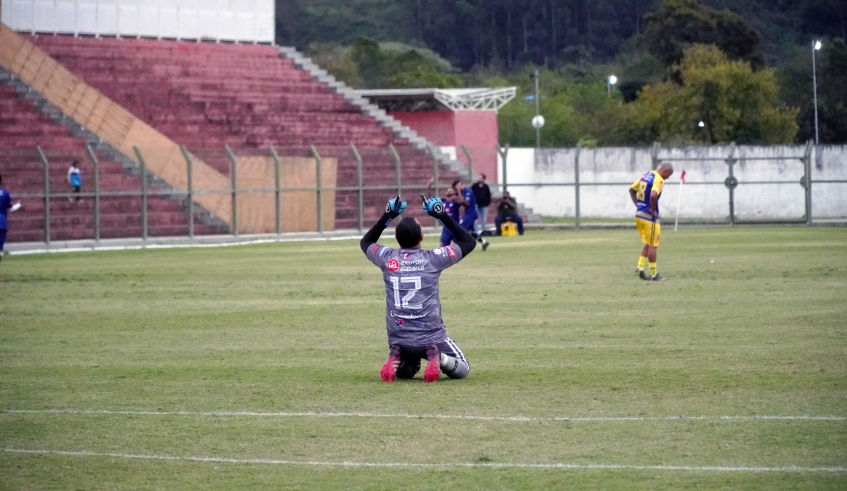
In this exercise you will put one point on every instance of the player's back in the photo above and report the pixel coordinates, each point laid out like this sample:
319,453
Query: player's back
413,306
644,187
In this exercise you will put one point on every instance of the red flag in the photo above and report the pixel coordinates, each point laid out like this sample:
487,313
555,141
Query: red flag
682,176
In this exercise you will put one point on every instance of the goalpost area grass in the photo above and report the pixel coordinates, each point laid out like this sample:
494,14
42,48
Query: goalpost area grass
555,324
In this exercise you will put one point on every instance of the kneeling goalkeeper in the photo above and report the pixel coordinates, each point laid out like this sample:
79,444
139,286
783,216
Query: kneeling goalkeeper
412,304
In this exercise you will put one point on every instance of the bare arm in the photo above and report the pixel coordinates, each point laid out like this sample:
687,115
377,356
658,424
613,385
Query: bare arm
654,204
632,194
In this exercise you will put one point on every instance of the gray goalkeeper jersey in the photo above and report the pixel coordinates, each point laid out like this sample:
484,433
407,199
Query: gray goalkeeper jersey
412,304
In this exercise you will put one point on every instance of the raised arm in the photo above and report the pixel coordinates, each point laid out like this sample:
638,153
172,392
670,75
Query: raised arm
463,239
393,209
372,235
434,207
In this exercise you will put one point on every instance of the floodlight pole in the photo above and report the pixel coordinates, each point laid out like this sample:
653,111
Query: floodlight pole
537,129
816,45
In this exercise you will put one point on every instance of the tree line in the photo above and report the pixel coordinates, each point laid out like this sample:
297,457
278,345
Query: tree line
706,62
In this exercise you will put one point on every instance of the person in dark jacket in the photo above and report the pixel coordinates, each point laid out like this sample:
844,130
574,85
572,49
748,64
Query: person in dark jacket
483,200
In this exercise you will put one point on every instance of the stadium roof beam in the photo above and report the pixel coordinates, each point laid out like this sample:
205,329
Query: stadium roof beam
479,99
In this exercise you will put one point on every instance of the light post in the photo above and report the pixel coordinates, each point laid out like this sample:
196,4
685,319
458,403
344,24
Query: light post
538,120
610,81
702,126
816,46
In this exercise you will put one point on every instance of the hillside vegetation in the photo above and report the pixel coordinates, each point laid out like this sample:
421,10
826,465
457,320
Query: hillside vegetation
753,60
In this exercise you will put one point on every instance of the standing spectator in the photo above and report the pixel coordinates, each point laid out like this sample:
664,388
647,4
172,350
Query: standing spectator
75,179
507,211
483,199
5,206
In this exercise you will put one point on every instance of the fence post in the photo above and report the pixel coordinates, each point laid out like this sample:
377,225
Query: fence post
143,174
807,165
360,186
576,185
434,171
189,186
398,165
319,192
654,155
731,182
504,152
277,193
470,164
46,194
233,167
96,164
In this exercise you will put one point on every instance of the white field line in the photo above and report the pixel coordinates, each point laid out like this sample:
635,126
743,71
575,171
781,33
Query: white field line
495,465
253,414
180,245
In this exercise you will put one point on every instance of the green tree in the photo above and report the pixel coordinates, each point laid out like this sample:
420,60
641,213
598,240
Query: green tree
734,103
371,65
575,103
678,24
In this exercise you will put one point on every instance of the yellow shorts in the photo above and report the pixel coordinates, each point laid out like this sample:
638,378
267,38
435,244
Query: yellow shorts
649,231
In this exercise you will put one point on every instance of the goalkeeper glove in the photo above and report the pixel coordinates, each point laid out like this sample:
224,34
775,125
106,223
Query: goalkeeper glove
395,207
434,207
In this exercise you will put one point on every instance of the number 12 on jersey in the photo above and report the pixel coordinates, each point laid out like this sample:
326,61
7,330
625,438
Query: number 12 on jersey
403,303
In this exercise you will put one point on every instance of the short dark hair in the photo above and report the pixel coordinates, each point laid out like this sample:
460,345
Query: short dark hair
408,233
457,181
75,163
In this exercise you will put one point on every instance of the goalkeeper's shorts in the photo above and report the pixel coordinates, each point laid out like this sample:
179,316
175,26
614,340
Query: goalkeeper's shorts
649,231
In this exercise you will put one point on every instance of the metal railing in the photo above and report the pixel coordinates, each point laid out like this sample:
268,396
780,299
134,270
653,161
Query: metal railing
150,188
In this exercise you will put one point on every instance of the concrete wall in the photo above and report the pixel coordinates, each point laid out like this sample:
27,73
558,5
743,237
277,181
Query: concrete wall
246,20
768,189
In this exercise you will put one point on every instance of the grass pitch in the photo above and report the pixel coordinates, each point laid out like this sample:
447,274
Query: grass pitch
257,367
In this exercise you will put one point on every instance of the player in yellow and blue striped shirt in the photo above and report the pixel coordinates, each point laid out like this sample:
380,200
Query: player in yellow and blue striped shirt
645,194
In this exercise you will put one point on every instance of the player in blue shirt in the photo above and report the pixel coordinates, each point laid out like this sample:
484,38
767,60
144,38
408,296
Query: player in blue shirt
467,199
451,208
5,206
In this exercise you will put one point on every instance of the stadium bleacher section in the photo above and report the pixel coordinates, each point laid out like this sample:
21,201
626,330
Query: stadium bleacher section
207,95
22,129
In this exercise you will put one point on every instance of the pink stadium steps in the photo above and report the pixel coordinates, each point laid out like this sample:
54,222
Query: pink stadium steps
207,95
23,174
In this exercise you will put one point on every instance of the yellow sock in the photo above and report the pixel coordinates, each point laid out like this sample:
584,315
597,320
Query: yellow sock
641,262
652,269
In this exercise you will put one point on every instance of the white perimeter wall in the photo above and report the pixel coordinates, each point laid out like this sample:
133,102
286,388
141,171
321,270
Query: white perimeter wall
704,196
227,20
